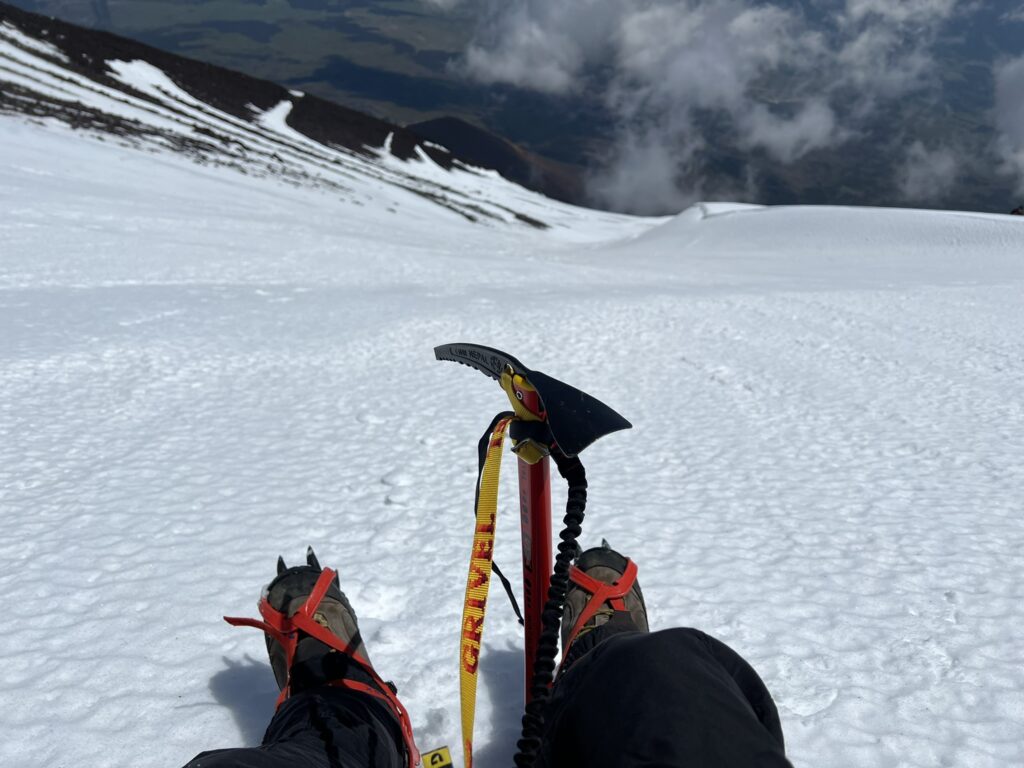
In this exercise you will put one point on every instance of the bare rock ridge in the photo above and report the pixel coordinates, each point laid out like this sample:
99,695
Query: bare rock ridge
483,149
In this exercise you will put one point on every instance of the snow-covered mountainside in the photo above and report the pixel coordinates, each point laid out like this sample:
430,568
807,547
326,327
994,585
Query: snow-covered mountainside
206,364
141,97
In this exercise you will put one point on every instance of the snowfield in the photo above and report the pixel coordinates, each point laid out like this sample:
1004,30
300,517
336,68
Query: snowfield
202,370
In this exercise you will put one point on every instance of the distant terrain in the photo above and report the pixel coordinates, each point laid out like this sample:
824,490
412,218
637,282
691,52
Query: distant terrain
394,59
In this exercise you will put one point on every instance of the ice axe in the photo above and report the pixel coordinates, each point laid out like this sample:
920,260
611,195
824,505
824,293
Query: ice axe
550,421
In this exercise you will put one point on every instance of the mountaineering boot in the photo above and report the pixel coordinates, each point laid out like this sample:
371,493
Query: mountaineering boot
314,662
316,651
603,589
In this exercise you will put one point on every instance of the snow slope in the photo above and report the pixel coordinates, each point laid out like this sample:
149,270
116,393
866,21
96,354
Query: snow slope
202,369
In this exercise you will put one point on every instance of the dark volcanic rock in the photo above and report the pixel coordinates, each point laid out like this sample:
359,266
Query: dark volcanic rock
485,150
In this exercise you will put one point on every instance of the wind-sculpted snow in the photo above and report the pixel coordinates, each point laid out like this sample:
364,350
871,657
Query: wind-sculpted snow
203,369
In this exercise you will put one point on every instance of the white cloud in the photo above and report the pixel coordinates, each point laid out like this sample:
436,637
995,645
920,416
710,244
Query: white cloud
545,45
1009,77
640,180
1014,15
445,5
901,11
529,58
884,49
812,127
774,80
674,61
877,63
927,175
701,54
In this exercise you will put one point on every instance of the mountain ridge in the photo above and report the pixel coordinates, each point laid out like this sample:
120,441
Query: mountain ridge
235,93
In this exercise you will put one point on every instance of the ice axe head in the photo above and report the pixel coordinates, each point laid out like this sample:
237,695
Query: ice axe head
572,418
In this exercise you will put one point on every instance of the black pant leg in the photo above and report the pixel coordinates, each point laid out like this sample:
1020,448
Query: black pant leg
326,727
673,698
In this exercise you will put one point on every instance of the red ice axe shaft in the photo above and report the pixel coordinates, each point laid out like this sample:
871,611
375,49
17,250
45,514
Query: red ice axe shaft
535,524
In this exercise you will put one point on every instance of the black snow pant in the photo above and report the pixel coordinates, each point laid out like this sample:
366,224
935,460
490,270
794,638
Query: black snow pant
676,698
324,727
671,699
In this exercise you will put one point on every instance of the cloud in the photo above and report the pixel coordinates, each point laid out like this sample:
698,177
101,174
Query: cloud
672,63
813,126
900,11
883,50
1009,79
640,180
444,5
544,45
783,78
529,45
878,63
927,175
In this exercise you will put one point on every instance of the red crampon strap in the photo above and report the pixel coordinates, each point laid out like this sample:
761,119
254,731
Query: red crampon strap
285,630
601,593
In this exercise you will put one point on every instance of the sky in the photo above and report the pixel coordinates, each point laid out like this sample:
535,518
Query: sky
787,77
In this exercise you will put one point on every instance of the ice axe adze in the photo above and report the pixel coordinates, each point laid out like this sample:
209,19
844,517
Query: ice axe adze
549,420
574,418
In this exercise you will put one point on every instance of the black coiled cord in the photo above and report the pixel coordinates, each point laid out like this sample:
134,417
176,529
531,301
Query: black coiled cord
544,665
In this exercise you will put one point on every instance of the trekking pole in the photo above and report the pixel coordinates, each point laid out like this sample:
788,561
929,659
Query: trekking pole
550,420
